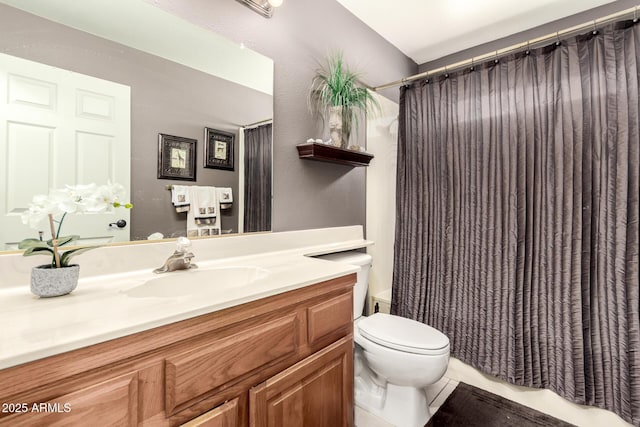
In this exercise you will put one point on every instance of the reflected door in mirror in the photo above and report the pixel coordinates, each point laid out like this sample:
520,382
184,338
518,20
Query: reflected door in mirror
60,128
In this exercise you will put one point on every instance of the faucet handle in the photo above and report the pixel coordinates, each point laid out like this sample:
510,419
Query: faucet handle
183,244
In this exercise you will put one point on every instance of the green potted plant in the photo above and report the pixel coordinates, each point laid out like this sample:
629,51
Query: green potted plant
59,277
337,95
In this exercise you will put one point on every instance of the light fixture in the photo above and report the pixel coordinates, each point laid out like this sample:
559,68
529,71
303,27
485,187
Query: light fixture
263,7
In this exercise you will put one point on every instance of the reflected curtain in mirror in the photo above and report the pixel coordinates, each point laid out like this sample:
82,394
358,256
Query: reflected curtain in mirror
257,175
517,216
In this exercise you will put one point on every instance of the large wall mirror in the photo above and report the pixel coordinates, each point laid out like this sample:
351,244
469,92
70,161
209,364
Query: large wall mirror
87,89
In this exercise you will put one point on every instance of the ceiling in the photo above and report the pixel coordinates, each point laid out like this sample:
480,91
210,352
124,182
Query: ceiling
425,30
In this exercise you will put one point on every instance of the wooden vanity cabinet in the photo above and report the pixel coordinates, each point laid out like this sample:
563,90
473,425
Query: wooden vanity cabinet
285,360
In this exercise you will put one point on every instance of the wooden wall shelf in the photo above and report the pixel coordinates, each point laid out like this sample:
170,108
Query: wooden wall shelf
329,153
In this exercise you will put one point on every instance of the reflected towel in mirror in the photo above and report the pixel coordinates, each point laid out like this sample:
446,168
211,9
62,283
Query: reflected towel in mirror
180,195
202,219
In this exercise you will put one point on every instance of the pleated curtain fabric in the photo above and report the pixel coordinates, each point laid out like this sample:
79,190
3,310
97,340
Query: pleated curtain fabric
257,178
517,216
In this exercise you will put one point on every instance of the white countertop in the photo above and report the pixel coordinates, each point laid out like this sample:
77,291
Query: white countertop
100,308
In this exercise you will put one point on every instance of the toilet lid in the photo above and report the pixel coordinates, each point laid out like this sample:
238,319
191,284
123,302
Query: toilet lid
403,334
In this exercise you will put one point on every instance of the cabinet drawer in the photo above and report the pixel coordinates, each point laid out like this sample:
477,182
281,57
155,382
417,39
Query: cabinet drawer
207,367
225,415
330,318
110,403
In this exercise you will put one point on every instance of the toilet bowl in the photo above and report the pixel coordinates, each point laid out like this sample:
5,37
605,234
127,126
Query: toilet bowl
402,357
395,358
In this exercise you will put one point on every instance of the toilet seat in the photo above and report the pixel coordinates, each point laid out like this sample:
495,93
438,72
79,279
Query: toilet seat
403,334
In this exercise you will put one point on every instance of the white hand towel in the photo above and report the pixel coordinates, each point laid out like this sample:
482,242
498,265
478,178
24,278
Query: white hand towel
205,203
180,195
203,224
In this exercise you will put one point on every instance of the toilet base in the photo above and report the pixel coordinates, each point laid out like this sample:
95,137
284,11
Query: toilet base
400,406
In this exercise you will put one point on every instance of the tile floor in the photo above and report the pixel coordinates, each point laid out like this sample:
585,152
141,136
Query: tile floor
436,395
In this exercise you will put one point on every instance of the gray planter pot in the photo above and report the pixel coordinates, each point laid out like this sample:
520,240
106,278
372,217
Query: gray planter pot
54,282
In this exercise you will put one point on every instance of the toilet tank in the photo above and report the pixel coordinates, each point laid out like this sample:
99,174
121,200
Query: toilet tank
363,261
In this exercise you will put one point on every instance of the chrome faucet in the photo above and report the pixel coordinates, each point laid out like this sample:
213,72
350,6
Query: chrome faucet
180,259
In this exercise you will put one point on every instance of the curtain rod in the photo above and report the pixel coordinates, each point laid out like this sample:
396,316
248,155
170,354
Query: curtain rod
258,123
632,12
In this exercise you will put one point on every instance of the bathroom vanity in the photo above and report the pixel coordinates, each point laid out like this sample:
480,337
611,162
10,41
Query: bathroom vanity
276,352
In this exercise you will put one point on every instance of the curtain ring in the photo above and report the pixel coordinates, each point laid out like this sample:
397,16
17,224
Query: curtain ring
446,75
528,51
595,31
635,15
495,61
558,39
472,66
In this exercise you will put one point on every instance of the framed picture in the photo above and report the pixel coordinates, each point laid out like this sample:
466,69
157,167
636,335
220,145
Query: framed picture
176,157
218,149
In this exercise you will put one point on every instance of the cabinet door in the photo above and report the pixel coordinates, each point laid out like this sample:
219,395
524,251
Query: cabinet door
225,415
316,392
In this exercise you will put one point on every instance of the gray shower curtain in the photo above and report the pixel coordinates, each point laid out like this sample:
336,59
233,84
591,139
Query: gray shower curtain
257,178
517,216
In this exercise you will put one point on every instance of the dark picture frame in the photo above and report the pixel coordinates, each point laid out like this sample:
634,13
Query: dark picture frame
176,157
218,149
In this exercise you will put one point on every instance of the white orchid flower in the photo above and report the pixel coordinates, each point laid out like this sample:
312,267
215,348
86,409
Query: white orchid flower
110,193
35,215
41,207
82,198
87,198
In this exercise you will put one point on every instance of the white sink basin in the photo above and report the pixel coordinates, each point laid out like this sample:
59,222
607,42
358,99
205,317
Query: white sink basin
197,282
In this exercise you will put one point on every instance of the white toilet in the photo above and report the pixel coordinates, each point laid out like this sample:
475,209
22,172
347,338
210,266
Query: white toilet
395,357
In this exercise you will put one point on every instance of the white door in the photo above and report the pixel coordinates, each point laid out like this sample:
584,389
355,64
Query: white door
60,128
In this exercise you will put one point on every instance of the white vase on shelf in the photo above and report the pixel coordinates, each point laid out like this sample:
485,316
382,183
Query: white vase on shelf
335,125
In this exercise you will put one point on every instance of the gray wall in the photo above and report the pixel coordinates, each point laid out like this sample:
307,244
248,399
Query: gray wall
306,194
165,98
541,31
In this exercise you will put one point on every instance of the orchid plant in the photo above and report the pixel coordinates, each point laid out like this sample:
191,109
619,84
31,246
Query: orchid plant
58,204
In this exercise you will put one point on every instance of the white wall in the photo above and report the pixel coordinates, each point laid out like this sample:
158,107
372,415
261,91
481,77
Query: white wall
382,136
